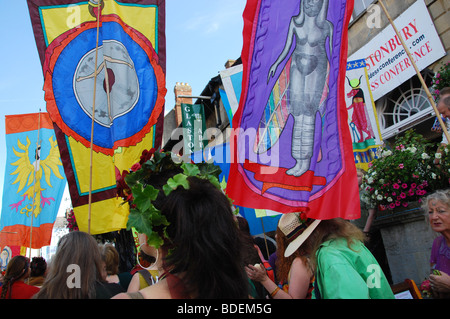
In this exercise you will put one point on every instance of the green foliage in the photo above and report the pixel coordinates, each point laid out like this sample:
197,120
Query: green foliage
174,182
135,188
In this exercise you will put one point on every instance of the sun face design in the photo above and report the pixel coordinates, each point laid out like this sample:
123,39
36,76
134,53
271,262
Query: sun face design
123,92
117,85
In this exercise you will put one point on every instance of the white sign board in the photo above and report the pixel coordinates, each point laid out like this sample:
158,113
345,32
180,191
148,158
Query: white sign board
387,63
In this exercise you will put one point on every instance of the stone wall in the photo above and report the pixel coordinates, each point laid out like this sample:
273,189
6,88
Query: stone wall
407,239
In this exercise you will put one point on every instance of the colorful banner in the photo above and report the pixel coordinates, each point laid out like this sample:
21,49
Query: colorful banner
362,115
232,84
34,181
388,65
260,220
129,82
291,147
7,253
193,120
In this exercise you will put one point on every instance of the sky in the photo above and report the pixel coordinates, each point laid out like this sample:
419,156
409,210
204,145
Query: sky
201,35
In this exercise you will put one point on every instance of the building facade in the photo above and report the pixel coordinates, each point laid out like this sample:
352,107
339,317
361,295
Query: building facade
424,26
401,104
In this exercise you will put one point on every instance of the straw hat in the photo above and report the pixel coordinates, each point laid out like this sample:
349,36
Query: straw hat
297,228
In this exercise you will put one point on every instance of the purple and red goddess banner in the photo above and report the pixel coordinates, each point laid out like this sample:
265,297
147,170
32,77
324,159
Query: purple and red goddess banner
291,149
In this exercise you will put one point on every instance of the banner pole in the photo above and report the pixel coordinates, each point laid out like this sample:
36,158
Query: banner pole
424,85
265,239
93,117
35,168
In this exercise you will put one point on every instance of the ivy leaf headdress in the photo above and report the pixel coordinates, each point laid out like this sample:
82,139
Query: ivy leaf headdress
136,189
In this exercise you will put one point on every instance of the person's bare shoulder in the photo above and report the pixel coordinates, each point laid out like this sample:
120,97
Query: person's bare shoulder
122,295
160,290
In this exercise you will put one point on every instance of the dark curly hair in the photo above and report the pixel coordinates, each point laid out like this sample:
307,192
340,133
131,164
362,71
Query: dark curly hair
38,266
203,242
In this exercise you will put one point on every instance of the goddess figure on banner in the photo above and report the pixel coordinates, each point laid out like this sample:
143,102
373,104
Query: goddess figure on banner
309,68
360,118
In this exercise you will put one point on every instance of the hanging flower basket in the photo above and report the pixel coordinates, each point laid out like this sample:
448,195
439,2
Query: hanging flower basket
72,222
440,80
406,172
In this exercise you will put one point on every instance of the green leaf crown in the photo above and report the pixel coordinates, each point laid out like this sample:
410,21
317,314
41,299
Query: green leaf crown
135,187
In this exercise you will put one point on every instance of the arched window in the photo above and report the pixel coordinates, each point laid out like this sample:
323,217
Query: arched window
404,107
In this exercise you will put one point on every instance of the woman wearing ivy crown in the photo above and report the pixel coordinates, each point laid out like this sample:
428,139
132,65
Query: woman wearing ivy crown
182,210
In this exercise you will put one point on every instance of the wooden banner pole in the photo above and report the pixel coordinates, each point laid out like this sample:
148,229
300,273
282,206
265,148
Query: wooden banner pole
92,123
265,239
35,169
424,85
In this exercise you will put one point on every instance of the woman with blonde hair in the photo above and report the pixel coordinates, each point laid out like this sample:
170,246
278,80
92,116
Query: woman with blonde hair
344,267
438,207
110,257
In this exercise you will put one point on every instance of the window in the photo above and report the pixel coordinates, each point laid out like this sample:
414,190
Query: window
360,6
405,106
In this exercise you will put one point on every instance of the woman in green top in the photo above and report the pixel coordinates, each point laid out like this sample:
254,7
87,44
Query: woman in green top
344,267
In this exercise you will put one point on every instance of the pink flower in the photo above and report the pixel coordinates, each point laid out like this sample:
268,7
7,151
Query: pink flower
392,205
411,192
397,203
425,285
396,186
413,185
437,81
135,167
400,165
405,204
404,185
394,194
438,76
402,195
415,176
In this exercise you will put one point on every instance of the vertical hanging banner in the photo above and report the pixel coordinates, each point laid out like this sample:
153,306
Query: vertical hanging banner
124,93
232,84
259,221
34,181
291,147
193,120
362,115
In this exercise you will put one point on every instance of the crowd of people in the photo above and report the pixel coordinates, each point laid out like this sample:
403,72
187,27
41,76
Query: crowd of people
208,252
209,256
